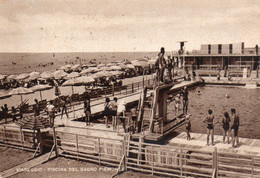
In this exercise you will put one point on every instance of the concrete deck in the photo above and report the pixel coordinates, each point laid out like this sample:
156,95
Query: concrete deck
246,146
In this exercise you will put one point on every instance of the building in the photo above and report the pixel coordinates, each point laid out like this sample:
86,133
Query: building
223,55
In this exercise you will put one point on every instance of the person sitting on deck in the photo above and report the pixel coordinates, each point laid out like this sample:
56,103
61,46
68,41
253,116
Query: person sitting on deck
234,127
208,120
51,112
121,112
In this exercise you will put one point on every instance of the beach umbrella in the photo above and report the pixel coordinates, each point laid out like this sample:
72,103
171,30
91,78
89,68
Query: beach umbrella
70,82
89,70
34,75
123,66
59,74
40,88
110,64
22,76
101,65
46,75
106,68
34,123
130,66
20,91
4,95
101,74
152,61
127,62
65,67
72,75
11,77
136,63
75,67
85,80
2,77
115,68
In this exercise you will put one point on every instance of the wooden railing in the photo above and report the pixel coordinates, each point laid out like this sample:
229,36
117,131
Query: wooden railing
15,137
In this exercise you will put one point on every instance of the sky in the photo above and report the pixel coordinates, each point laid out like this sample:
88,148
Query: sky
125,25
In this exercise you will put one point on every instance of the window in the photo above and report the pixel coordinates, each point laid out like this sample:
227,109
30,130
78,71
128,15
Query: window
219,49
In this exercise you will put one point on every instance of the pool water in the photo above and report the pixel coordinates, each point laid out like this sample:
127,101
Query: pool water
221,99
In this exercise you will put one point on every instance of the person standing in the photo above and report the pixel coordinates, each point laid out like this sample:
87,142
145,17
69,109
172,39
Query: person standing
51,112
234,127
225,125
107,111
64,107
113,111
36,108
185,100
87,111
208,120
169,67
160,65
121,112
188,126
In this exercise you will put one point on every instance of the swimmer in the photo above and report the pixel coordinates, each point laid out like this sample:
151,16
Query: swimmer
198,92
227,96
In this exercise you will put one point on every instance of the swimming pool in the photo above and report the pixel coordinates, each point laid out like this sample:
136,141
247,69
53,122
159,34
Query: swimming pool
245,101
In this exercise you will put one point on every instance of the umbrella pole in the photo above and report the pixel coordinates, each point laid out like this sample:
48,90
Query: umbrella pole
21,98
41,95
72,89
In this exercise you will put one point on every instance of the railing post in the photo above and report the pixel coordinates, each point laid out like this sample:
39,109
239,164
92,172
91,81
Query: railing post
55,142
5,139
22,139
253,162
215,161
77,147
99,150
132,87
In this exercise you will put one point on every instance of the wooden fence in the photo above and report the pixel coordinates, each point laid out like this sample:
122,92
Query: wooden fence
165,160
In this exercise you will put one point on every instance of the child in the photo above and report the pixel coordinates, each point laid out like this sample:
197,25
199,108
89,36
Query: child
188,126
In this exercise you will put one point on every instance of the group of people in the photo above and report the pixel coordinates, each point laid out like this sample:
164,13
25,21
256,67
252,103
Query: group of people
116,112
161,64
181,98
229,124
226,121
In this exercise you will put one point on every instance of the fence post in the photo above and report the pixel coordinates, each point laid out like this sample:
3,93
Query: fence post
132,87
253,162
99,150
5,139
55,142
215,161
22,140
77,147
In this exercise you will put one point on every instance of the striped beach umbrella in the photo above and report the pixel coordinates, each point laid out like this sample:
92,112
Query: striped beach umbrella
34,123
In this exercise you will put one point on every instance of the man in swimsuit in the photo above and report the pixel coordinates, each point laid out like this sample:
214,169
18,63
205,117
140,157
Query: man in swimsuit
208,120
185,100
234,127
225,124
